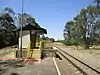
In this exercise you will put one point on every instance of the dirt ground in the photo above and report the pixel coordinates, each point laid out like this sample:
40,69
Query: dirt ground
94,50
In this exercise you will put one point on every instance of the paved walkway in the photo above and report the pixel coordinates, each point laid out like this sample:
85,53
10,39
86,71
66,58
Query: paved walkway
46,67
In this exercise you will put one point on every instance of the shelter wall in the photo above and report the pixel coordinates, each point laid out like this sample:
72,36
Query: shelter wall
25,38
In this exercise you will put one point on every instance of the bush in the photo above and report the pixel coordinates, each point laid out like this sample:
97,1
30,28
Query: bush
71,42
66,42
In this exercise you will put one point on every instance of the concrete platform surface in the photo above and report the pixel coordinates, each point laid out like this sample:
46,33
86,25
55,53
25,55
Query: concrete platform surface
46,67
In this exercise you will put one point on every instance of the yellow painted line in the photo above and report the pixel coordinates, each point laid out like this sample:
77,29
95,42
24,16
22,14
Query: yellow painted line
58,71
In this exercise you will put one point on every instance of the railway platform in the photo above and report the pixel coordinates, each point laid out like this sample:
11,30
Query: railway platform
45,67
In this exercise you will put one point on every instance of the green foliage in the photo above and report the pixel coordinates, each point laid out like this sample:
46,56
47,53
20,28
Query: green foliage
71,42
52,39
84,28
66,42
7,36
27,19
98,3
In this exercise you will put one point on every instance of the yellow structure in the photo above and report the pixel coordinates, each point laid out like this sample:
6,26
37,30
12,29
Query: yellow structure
34,53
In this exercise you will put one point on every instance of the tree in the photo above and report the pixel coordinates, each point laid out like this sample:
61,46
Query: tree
98,2
26,19
68,30
85,27
52,39
6,27
10,11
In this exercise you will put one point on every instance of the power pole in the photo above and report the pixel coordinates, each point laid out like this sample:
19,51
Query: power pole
21,33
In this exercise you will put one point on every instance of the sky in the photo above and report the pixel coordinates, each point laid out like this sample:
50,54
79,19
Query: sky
50,14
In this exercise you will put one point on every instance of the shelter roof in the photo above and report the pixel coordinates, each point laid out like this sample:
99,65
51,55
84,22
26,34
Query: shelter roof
35,27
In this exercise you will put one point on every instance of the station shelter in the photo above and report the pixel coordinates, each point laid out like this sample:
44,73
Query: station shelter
31,48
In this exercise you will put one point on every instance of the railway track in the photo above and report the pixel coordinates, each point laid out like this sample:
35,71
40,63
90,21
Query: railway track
80,66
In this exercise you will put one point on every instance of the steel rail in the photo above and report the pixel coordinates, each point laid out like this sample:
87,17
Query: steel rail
77,60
